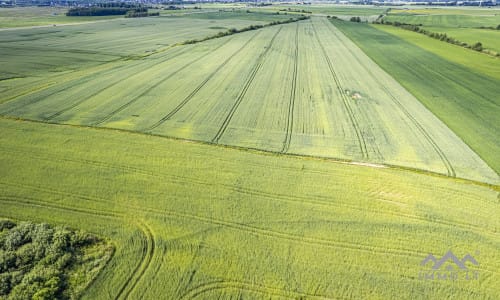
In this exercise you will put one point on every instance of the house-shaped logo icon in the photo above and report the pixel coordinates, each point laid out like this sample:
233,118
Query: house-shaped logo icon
449,257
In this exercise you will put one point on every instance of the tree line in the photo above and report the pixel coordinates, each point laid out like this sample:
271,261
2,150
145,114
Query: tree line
478,46
110,9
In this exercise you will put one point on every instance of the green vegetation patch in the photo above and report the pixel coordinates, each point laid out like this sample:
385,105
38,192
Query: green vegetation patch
40,261
489,38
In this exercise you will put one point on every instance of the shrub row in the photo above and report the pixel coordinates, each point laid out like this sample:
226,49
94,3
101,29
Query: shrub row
137,14
478,46
248,28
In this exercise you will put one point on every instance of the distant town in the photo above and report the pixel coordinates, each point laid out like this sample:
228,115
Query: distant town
12,3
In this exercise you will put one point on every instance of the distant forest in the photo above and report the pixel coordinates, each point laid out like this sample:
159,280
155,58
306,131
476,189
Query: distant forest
110,9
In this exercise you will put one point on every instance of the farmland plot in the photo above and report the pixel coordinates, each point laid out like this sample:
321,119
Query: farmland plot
196,221
300,88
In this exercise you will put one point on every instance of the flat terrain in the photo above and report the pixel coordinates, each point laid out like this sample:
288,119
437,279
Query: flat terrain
332,100
313,159
447,17
441,83
194,221
40,16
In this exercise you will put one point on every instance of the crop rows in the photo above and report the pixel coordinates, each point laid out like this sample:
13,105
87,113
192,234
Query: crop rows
196,244
265,90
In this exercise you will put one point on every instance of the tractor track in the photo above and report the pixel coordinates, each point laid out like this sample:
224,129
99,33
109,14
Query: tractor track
243,92
319,201
135,99
442,156
198,88
148,250
254,230
232,284
293,92
345,99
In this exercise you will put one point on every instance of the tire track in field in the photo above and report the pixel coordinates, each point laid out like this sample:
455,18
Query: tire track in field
94,93
331,244
73,82
197,89
442,156
321,201
243,92
56,79
321,242
60,87
145,68
345,99
148,249
223,285
135,99
291,105
258,231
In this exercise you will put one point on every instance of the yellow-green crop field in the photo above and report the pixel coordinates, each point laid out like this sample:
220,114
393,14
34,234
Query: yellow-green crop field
276,163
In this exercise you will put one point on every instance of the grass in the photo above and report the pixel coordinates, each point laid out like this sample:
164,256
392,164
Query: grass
447,18
190,219
331,9
41,16
274,163
489,38
224,91
464,98
57,50
461,24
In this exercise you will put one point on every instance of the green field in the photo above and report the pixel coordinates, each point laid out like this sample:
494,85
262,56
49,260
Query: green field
166,94
196,221
489,38
461,24
447,17
42,16
442,85
32,54
315,159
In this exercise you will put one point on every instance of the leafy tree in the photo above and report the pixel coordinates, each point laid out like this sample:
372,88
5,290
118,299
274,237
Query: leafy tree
477,46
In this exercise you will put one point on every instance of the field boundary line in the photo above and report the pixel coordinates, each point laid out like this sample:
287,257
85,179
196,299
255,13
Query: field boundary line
345,99
200,86
319,201
243,92
254,150
293,92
